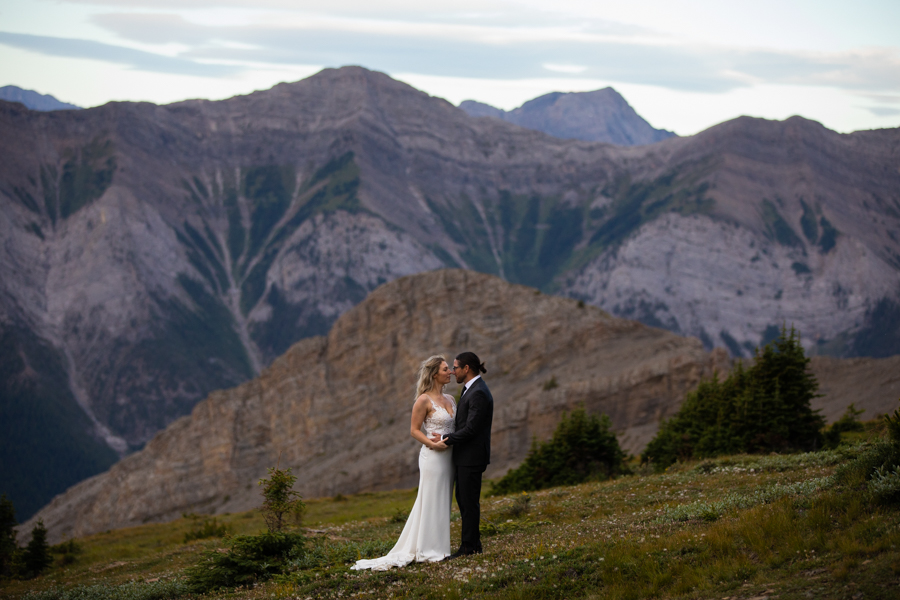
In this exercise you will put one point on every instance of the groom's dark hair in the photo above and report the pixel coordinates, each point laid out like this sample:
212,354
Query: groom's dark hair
471,360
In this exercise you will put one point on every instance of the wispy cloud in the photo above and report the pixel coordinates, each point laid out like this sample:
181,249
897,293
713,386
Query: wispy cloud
492,50
883,111
136,59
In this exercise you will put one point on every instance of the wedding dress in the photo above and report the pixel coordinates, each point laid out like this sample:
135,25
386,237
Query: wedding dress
426,535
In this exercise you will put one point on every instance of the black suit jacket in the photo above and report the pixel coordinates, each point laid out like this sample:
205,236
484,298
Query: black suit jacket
472,440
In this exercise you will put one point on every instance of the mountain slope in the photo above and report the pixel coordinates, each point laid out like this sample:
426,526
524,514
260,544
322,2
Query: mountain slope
162,252
336,408
33,100
598,116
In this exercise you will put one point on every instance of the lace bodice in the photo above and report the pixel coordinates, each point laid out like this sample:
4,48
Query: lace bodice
440,421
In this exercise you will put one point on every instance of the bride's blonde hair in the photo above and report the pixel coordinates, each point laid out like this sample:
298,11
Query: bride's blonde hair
427,370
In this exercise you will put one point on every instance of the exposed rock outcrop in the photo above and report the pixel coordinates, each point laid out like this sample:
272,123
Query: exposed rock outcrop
337,408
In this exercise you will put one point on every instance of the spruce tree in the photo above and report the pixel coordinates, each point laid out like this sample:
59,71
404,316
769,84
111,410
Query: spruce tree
762,408
37,552
7,535
583,448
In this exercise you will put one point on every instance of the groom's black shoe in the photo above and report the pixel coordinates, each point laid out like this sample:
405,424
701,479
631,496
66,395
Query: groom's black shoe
462,552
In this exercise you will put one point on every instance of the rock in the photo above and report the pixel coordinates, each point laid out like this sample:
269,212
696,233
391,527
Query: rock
336,408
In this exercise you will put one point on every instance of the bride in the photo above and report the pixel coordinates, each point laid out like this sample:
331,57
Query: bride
426,535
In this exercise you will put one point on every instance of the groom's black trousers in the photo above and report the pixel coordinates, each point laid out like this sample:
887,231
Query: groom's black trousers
468,498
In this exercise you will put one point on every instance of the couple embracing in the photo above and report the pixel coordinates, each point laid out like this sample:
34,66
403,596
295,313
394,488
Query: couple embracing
456,448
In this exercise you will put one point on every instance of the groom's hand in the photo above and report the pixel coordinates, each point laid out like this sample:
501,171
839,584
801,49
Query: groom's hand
438,442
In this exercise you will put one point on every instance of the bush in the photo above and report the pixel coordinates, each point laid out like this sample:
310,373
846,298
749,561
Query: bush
208,528
848,422
252,558
158,590
249,558
69,551
763,408
582,449
323,553
877,469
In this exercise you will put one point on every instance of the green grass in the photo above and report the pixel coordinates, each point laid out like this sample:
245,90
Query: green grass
777,530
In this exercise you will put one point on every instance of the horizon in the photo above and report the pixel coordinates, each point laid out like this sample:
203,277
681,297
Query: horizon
683,68
457,105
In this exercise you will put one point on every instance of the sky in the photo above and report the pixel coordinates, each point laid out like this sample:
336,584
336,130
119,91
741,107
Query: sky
683,65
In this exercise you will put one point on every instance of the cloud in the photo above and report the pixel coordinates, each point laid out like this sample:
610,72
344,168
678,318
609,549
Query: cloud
883,111
445,50
483,49
874,70
457,42
136,59
573,69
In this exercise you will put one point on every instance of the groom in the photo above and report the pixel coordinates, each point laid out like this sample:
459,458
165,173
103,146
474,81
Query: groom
471,447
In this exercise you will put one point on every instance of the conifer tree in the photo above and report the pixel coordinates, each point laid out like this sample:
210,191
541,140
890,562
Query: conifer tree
762,408
582,448
37,552
7,535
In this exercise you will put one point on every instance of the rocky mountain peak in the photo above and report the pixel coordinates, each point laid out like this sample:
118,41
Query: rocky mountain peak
601,116
34,100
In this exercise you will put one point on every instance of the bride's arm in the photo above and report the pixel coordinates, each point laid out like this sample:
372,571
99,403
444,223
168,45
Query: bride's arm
419,412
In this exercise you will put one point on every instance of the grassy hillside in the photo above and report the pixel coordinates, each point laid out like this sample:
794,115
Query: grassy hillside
734,527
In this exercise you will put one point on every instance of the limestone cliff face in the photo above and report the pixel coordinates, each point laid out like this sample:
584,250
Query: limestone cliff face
336,408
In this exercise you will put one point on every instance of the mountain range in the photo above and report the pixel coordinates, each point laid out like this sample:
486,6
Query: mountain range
34,100
598,116
153,254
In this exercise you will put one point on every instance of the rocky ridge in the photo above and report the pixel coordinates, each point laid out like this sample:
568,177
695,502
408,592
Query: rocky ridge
336,408
598,116
34,100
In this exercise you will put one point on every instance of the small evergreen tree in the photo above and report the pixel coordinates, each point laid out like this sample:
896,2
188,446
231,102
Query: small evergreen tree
7,535
280,500
582,448
252,558
37,553
763,408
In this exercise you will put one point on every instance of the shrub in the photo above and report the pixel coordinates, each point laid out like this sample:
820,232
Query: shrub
248,559
582,449
878,467
323,553
848,422
763,408
208,528
157,590
252,558
69,551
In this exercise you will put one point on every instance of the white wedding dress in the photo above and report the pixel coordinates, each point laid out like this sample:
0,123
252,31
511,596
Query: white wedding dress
426,535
